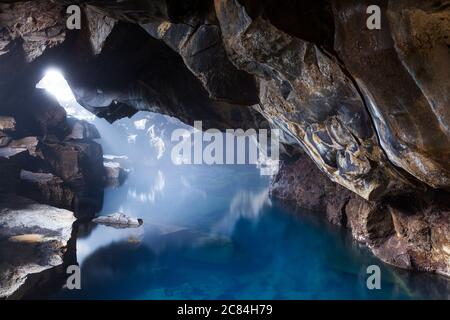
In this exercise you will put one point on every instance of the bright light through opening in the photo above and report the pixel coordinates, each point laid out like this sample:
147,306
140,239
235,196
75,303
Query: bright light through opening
54,83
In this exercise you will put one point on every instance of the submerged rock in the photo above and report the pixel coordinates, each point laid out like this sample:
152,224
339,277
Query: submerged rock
118,220
78,163
15,147
33,239
403,73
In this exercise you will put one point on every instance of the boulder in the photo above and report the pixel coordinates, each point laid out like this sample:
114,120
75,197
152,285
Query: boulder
33,240
408,231
118,220
33,25
28,143
15,147
202,50
301,183
402,71
77,163
82,130
115,171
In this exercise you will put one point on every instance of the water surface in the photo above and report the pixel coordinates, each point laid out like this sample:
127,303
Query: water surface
213,232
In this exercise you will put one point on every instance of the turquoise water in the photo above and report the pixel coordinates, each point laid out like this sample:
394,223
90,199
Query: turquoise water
213,232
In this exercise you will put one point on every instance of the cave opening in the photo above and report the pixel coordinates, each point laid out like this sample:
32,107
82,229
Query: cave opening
55,83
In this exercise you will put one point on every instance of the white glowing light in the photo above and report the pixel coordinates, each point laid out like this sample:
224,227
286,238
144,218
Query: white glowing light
54,83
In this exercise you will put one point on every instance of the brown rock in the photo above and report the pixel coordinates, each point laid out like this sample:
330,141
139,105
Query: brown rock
46,188
311,97
34,25
77,163
303,184
404,78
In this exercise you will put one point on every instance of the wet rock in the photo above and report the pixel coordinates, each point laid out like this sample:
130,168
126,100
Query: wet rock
409,231
46,188
301,183
202,50
34,26
409,53
28,143
82,130
7,124
118,220
369,222
100,26
4,139
79,164
305,92
33,239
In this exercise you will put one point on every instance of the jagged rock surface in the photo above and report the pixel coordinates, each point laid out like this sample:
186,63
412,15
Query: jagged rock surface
33,239
404,78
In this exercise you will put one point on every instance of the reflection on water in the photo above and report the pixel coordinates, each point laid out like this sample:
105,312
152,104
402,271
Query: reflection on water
212,232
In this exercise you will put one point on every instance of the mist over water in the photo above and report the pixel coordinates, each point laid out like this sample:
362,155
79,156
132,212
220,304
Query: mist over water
213,232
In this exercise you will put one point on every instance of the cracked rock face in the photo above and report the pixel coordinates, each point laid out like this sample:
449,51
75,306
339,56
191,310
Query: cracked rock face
305,92
402,71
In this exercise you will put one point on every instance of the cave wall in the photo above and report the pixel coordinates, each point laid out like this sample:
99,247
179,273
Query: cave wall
368,110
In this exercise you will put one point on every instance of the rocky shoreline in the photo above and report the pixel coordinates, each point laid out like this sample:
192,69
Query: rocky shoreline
52,173
411,232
